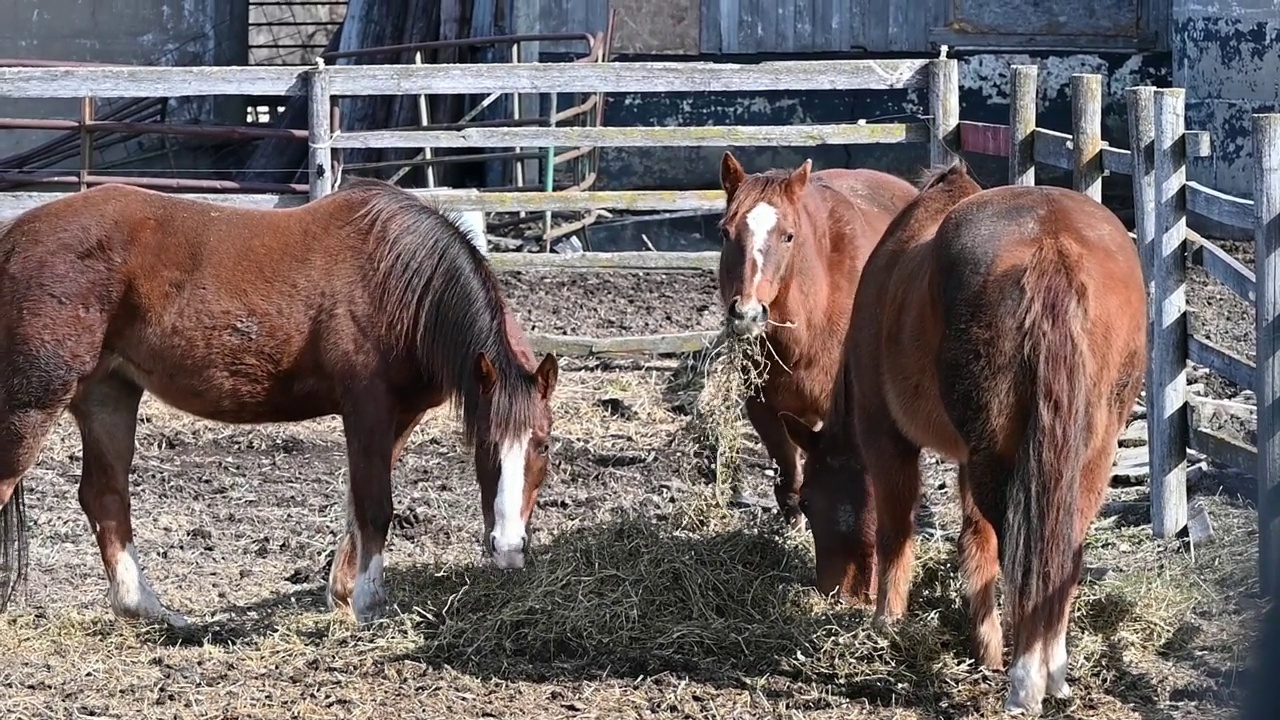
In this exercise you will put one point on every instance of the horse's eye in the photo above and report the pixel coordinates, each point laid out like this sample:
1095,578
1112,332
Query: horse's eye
544,448
724,235
788,238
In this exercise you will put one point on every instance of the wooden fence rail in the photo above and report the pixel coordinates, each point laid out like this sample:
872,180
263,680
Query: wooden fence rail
321,84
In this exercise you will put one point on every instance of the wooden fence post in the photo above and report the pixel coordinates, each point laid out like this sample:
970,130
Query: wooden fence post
1086,134
1022,124
1266,238
1167,376
944,105
319,137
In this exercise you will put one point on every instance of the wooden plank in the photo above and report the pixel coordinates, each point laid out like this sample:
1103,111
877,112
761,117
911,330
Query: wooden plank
1221,361
1219,206
711,200
1086,134
571,346
1053,148
640,261
1221,266
1116,160
1223,449
639,77
944,106
742,135
1022,124
1266,253
151,81
15,203
1167,376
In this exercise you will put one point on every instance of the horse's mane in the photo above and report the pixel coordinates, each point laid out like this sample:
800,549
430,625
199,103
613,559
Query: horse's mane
440,297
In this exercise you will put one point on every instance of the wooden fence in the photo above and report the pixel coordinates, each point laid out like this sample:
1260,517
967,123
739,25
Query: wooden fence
1162,197
321,84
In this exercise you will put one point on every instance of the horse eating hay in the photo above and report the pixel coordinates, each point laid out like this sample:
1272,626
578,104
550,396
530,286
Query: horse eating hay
1005,329
366,303
794,245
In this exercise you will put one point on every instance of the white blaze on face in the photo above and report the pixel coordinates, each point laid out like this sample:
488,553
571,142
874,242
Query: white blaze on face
508,534
760,221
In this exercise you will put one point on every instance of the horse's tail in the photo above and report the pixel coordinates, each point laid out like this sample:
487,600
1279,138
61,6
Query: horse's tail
13,545
1040,541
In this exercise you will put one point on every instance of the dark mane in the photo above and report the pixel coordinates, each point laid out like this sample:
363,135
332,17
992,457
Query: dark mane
937,174
432,283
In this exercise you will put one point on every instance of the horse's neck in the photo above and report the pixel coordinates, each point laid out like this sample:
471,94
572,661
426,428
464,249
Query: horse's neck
516,338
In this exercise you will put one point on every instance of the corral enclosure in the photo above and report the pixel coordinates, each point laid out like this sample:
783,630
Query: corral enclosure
654,593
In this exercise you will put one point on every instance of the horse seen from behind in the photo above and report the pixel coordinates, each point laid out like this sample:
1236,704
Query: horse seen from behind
794,243
367,303
1006,330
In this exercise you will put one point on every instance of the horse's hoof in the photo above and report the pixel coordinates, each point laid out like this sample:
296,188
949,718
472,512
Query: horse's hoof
1060,691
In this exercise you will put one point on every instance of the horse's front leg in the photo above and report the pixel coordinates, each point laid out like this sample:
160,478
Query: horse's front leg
773,434
374,439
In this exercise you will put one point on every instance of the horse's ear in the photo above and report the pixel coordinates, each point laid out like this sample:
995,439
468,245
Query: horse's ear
799,177
806,438
486,374
731,174
546,375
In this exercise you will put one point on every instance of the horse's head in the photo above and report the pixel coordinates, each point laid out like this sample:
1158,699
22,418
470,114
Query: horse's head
837,502
759,231
512,451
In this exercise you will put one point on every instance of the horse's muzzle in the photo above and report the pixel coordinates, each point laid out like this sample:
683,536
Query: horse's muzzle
506,558
748,319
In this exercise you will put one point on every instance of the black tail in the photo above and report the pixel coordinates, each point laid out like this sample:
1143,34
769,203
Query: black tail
1040,541
13,546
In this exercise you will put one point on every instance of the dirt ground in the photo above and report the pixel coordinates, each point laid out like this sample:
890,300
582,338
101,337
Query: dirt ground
644,600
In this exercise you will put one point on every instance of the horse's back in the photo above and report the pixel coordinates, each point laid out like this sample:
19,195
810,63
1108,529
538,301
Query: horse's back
871,190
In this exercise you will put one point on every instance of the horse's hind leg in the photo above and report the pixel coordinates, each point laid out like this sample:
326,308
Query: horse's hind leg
980,563
1093,486
773,434
106,411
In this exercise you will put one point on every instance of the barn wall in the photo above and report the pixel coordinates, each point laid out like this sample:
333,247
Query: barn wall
1226,53
114,31
752,27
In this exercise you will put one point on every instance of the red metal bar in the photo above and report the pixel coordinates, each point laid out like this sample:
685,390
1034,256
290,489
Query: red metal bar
984,138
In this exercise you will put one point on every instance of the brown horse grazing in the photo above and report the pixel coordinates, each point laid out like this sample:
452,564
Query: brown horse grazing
794,245
1004,329
367,303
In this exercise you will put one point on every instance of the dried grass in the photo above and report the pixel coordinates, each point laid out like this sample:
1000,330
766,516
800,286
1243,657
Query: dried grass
649,599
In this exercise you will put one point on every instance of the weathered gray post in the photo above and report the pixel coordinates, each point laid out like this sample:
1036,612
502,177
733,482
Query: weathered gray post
1086,134
944,104
319,136
1167,415
1266,248
1022,124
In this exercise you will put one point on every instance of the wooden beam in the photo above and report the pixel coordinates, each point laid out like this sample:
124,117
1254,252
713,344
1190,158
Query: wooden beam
742,135
1022,124
1086,134
1266,254
1219,264
572,346
1219,206
944,106
640,261
638,77
1223,449
1221,361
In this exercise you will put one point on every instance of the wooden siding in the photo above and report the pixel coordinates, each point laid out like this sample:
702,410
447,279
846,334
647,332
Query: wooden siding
750,27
